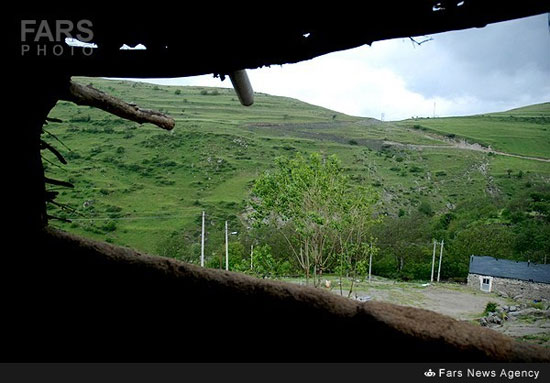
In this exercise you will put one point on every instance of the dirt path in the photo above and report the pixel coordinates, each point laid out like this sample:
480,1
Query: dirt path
455,300
459,302
463,145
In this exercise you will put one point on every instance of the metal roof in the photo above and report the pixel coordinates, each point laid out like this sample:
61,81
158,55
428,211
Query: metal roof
505,268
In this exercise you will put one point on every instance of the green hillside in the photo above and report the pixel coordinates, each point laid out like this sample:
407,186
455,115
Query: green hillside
524,131
136,185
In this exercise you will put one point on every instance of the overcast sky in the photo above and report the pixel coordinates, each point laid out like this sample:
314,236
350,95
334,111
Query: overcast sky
499,67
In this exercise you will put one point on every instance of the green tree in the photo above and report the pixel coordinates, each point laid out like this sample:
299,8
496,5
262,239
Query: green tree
407,240
179,245
313,197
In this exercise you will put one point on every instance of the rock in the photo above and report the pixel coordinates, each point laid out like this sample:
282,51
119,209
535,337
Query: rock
506,308
483,322
365,298
497,320
513,308
530,311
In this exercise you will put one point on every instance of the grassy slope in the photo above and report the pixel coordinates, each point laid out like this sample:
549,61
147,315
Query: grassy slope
136,184
524,131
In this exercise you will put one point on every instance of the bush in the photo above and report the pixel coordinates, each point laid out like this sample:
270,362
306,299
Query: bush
426,208
264,264
109,226
490,308
72,155
177,92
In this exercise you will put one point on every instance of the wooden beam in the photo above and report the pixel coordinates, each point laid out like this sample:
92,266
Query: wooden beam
88,95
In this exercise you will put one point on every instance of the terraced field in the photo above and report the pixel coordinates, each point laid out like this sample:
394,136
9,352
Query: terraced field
135,185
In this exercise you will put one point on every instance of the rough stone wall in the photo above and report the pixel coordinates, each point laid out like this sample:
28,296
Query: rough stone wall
514,288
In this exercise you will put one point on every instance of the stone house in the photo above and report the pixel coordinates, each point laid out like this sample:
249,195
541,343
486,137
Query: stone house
525,280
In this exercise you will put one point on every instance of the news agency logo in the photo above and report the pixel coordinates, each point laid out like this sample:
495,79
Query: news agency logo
56,37
429,373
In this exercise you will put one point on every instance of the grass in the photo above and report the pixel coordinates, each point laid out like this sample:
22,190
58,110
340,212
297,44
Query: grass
134,185
523,131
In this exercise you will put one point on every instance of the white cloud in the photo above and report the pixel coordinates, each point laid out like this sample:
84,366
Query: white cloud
498,67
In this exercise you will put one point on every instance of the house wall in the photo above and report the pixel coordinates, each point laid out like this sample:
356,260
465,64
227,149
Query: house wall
514,288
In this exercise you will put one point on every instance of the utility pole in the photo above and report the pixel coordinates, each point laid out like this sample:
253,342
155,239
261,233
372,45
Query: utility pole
226,248
440,258
433,261
202,241
251,256
370,261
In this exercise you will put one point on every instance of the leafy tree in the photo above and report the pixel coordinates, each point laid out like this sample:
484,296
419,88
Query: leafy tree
407,240
426,208
312,196
179,245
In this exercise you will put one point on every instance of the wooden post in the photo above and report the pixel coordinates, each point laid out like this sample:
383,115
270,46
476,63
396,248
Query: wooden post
440,258
202,241
242,86
251,256
433,261
370,262
226,248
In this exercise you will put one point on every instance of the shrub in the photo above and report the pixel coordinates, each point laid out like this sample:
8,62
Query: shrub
177,92
426,208
72,155
520,174
537,305
490,308
109,226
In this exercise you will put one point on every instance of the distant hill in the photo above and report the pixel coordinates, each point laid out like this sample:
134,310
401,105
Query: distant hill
537,110
134,185
523,131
